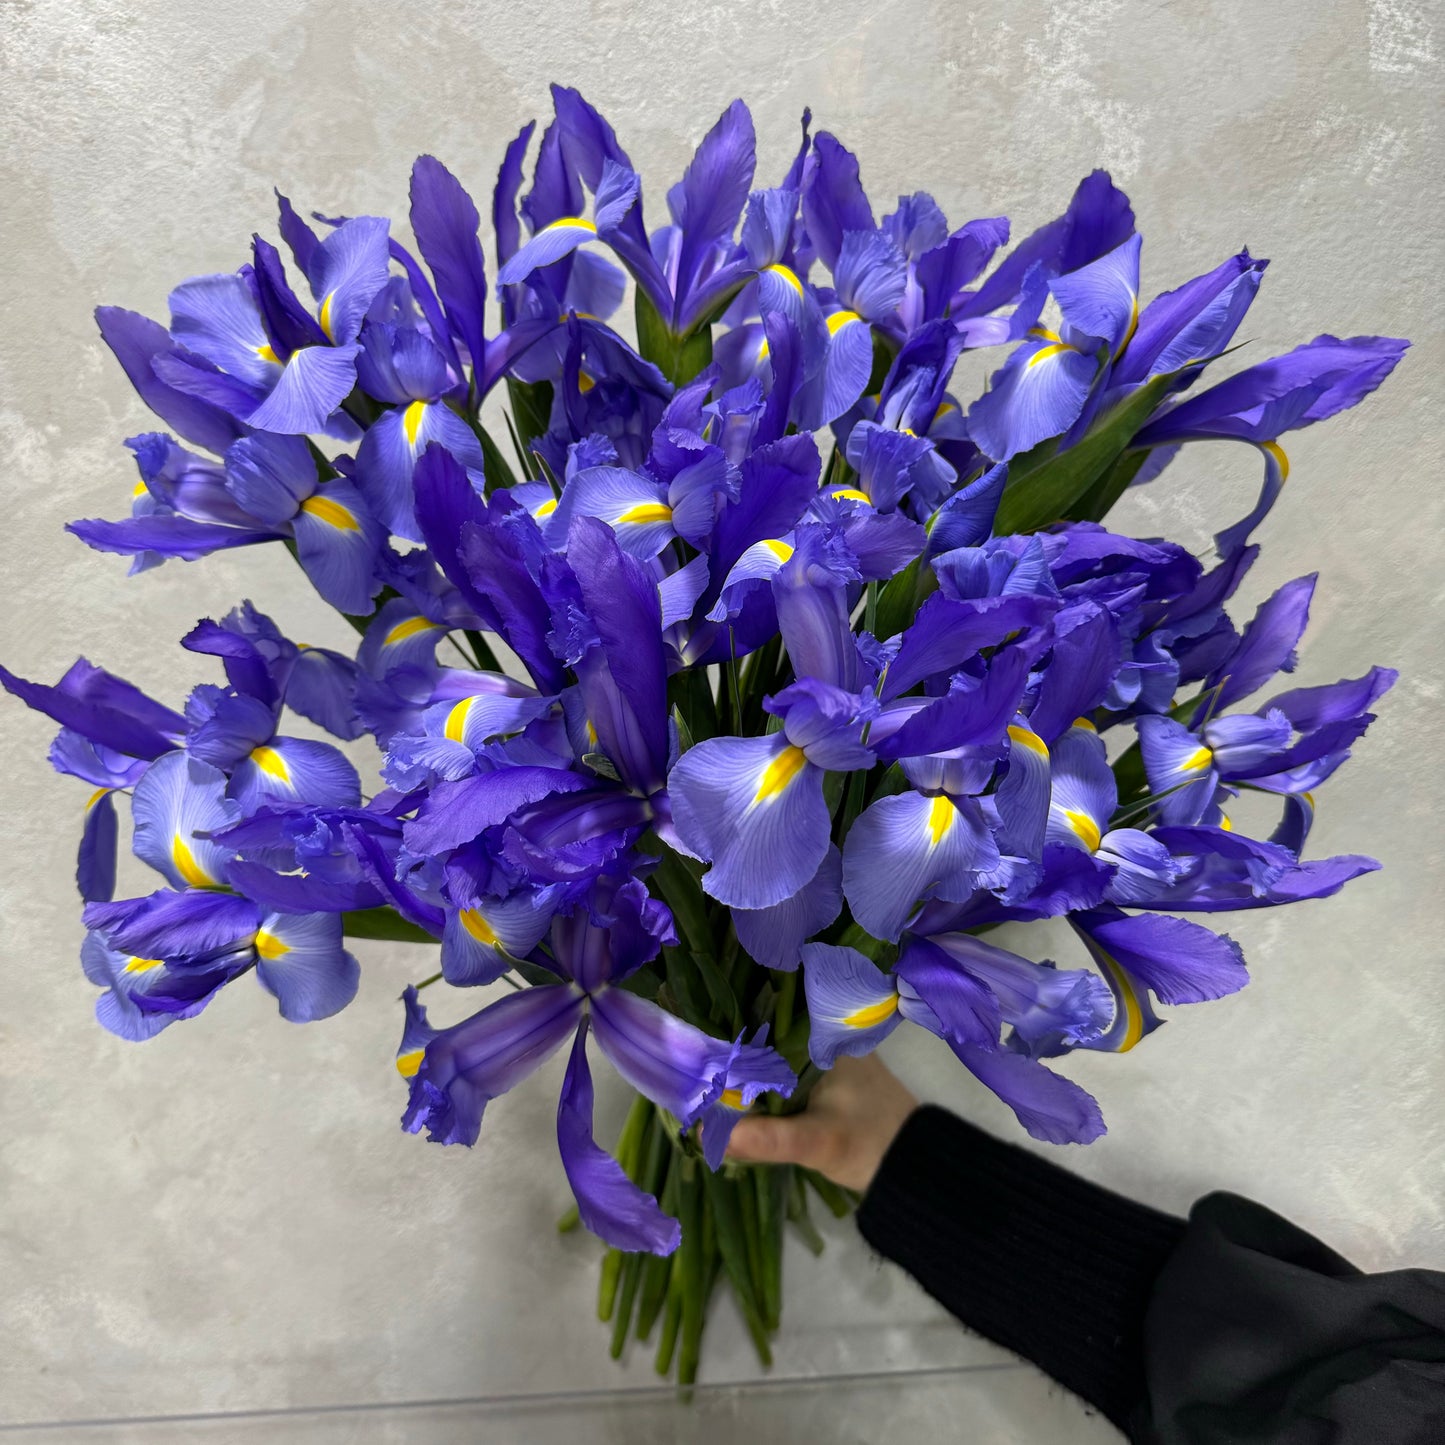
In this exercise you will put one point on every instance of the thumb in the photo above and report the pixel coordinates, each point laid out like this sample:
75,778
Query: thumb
762,1139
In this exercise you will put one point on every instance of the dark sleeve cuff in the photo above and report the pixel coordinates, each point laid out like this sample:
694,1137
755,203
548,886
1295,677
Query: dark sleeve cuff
1045,1264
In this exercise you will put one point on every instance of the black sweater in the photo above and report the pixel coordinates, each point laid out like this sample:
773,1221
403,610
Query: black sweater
1231,1326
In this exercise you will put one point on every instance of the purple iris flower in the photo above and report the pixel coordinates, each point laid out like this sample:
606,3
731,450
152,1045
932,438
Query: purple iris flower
234,728
853,1006
1314,381
268,489
252,348
605,938
1289,745
687,270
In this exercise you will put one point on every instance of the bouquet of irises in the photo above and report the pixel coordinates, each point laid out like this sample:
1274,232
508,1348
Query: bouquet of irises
737,656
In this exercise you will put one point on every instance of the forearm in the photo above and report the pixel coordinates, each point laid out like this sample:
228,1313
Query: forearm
1044,1263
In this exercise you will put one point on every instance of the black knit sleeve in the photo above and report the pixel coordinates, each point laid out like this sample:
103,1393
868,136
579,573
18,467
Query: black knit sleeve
1235,1326
1045,1264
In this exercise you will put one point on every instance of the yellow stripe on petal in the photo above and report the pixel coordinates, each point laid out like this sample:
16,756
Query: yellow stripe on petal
942,815
1085,827
562,221
408,1063
472,920
272,763
731,1099
781,550
1086,723
1045,334
1197,761
269,946
788,275
456,725
839,319
95,797
546,509
267,354
874,1013
411,420
1133,324
186,865
143,965
1044,353
324,317
139,490
584,383
779,773
645,512
852,494
1281,461
1133,1013
409,628
1023,738
332,513
1225,823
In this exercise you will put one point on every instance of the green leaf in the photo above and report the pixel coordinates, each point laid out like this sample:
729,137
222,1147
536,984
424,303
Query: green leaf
902,596
494,463
678,358
1043,490
531,408
383,923
1096,503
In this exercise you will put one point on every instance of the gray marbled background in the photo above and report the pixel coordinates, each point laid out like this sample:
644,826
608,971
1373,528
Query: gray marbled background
227,1219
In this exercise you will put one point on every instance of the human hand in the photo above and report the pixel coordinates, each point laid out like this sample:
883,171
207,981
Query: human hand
853,1115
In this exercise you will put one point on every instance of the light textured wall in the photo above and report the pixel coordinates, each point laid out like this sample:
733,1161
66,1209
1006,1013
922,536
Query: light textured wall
227,1217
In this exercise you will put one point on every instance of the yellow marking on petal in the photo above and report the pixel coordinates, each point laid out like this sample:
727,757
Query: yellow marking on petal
411,420
143,965
788,275
272,763
1046,334
408,1063
472,920
324,317
456,724
1309,798
852,494
332,513
1086,828
95,797
1086,723
1281,460
943,409
570,221
1045,352
780,549
591,734
546,509
409,628
139,490
1197,761
269,946
779,773
731,1099
763,349
873,1013
1023,738
267,354
1133,324
839,319
1225,823
186,865
644,512
1133,1013
584,383
942,815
